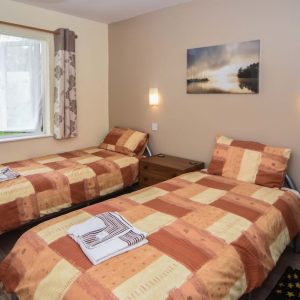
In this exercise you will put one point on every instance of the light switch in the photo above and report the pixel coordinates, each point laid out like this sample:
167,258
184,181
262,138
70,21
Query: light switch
154,126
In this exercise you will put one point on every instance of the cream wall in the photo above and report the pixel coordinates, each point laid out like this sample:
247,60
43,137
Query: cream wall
150,51
92,80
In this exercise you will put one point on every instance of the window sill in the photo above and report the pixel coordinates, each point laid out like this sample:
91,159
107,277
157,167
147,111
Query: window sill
24,137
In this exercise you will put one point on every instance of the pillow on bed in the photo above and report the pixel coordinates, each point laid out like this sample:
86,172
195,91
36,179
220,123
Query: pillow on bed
249,161
126,141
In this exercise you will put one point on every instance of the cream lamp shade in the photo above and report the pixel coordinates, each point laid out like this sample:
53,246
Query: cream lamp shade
153,96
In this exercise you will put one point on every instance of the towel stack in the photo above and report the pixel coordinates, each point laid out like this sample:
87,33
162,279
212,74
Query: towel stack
105,236
8,174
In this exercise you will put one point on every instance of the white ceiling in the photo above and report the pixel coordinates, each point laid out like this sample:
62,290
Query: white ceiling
106,11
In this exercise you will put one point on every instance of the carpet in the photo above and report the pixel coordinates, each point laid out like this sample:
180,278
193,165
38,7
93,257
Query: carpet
287,287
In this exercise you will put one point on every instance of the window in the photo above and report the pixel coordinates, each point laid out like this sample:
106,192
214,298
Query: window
24,85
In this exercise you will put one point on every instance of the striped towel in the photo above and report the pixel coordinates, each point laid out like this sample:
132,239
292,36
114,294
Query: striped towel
106,235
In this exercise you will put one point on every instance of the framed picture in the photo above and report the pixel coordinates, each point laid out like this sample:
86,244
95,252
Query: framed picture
230,68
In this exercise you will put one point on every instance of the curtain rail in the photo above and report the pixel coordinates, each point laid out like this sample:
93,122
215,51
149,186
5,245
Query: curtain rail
29,27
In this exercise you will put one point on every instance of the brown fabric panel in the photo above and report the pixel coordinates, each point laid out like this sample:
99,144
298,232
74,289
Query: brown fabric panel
235,208
99,209
127,175
98,168
167,186
216,166
182,251
78,192
167,208
68,155
104,153
28,208
40,182
10,213
288,216
55,165
111,139
255,272
270,179
72,252
16,164
208,182
248,145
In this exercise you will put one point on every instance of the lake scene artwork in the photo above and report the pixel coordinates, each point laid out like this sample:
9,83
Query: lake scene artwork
230,68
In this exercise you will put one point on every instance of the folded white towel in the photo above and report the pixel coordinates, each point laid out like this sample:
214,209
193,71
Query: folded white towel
8,174
106,235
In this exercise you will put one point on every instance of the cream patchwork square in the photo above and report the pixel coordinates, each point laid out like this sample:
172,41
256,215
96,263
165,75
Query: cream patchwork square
33,171
208,196
79,174
89,159
50,159
193,176
155,281
18,188
229,227
154,222
126,161
147,194
278,246
56,283
92,150
134,140
267,194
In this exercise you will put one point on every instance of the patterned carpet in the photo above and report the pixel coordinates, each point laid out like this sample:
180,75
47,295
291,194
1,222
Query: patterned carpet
289,258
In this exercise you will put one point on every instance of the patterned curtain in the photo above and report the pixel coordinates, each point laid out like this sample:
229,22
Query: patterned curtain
65,106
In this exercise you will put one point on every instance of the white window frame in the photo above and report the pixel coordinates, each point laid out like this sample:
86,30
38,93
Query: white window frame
49,73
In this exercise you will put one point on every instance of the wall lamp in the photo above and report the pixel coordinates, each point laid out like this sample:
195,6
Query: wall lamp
153,97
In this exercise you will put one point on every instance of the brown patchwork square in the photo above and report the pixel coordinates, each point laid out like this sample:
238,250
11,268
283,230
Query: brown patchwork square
213,183
128,175
40,182
240,210
71,251
167,208
181,250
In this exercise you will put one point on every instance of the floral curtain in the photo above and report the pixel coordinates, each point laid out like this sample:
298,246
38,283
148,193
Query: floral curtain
65,106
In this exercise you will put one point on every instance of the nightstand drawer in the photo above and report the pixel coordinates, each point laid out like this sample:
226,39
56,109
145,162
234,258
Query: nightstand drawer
145,180
158,170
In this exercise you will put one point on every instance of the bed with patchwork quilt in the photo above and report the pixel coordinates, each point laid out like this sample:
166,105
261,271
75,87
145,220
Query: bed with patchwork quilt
210,237
51,183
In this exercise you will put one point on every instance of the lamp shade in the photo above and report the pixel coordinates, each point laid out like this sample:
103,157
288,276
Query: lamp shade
153,96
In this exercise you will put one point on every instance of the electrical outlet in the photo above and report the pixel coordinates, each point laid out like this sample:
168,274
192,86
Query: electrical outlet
154,126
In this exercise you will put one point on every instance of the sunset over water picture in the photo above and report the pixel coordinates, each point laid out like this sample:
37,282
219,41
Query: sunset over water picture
230,68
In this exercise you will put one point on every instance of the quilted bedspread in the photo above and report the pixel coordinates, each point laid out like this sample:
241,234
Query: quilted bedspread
209,238
48,184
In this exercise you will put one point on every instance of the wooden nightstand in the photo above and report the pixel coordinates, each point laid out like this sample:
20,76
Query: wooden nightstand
157,168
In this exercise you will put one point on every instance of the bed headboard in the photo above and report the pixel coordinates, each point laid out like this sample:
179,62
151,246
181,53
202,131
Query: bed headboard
289,183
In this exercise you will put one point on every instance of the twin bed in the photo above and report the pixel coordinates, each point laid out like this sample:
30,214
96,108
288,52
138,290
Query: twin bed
51,183
211,236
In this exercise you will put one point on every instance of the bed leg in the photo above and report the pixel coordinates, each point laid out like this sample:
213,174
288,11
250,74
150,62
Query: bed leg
296,243
14,297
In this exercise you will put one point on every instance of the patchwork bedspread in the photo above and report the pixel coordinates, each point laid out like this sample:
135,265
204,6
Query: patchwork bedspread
209,238
48,184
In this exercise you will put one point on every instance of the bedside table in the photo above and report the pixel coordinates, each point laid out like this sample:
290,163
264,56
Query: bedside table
158,168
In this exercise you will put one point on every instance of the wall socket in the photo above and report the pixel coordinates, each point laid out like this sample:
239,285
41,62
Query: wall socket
154,126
